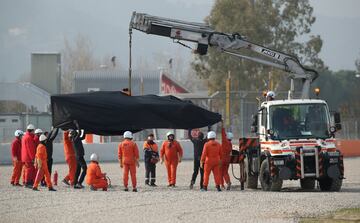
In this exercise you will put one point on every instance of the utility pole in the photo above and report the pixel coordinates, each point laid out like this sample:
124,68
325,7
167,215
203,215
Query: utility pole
130,67
142,85
227,107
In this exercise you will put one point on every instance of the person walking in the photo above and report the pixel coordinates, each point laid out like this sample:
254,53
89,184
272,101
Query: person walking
151,157
70,159
49,146
210,160
198,143
226,148
128,154
16,158
28,151
171,152
77,138
41,165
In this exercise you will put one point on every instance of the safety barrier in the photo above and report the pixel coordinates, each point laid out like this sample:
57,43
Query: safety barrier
349,148
108,151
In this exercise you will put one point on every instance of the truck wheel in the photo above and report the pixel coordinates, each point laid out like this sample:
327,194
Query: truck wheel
307,183
251,180
267,182
329,184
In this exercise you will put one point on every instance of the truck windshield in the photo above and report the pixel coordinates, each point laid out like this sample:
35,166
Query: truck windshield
299,121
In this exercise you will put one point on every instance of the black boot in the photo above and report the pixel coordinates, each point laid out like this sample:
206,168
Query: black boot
153,183
228,186
78,186
218,188
191,185
204,188
65,182
147,182
51,189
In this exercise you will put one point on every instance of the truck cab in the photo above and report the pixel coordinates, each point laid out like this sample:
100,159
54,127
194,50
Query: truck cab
297,142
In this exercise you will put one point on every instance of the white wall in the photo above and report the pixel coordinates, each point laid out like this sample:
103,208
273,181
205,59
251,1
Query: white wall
106,151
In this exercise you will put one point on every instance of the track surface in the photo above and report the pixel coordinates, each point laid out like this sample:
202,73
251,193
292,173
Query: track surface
178,204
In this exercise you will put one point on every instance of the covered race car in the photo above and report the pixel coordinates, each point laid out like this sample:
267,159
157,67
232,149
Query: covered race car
113,112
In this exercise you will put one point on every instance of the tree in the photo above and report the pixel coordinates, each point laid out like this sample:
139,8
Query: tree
12,107
277,24
76,57
340,90
357,64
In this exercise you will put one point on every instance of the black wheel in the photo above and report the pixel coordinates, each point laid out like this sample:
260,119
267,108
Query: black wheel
251,180
267,182
307,183
329,184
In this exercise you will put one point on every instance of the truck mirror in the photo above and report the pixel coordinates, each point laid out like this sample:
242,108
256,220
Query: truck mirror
254,125
338,126
255,119
337,120
270,132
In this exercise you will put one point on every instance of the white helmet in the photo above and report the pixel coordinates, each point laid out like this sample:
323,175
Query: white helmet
18,133
30,127
270,94
42,138
128,135
38,131
229,135
94,157
169,134
211,135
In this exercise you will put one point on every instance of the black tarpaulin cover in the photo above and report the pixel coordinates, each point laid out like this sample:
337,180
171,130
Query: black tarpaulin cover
112,112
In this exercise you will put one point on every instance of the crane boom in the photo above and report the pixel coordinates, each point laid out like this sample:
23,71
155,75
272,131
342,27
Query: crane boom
205,36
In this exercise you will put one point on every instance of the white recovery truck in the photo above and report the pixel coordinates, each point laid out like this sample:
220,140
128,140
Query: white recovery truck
295,137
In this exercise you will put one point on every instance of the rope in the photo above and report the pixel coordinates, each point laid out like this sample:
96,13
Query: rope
109,181
182,44
232,170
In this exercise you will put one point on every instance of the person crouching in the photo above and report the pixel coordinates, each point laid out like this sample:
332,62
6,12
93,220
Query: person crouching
94,177
41,165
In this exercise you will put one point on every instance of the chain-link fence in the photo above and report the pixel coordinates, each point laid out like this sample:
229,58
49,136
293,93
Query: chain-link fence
350,128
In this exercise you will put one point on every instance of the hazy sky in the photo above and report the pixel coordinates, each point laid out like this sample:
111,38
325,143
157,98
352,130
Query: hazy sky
41,25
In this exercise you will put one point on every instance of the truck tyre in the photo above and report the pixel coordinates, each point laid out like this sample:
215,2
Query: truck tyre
251,180
267,182
329,184
307,183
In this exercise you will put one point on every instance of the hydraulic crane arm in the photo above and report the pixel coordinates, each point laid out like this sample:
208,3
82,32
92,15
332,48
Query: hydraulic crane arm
205,36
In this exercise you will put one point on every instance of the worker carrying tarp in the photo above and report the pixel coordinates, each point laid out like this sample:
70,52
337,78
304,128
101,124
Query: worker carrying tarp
113,112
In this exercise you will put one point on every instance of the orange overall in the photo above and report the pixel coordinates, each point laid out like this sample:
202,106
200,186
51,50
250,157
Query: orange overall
94,176
128,154
171,152
70,158
226,148
28,151
41,157
211,158
16,158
